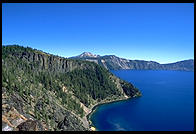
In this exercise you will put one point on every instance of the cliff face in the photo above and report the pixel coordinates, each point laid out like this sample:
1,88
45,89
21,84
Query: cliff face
113,62
41,91
49,62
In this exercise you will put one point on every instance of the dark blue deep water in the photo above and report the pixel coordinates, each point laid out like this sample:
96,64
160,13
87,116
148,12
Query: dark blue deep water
167,103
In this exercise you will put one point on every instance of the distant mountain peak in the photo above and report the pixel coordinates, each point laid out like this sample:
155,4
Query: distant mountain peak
88,54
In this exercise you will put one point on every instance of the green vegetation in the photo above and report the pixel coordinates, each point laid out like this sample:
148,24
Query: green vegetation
45,81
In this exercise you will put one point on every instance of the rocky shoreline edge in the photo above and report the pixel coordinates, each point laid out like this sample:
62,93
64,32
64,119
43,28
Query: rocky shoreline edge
94,107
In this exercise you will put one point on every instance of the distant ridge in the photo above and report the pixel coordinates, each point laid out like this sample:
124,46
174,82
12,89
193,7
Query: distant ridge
113,62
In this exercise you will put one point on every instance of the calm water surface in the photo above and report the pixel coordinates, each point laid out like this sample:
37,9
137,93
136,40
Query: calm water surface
167,103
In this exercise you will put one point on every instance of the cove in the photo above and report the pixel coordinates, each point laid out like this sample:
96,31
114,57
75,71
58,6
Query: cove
167,103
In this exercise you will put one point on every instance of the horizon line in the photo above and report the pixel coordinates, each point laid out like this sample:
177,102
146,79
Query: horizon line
95,54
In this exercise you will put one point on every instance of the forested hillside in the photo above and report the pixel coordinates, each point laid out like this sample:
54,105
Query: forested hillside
41,91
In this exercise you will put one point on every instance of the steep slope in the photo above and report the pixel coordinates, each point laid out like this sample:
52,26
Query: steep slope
41,91
113,62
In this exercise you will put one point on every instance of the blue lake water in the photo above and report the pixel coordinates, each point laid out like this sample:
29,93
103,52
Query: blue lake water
167,103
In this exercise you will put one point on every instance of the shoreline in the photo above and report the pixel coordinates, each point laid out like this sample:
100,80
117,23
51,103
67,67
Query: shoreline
93,108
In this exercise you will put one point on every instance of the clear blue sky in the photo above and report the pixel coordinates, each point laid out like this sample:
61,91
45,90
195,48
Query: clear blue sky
151,31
